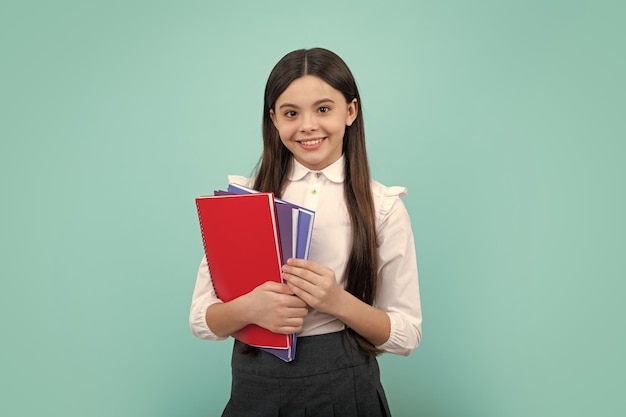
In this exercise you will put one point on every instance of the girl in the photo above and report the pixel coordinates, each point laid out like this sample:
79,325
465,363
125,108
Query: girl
358,294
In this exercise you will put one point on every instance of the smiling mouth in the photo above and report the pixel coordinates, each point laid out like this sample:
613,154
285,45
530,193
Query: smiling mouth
310,142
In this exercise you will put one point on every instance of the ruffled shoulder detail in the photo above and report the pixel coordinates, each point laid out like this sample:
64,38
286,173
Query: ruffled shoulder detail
385,197
241,180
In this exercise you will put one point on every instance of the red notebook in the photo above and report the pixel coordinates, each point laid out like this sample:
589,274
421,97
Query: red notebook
242,247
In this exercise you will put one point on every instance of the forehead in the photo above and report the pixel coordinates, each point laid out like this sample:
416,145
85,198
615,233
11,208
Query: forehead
308,89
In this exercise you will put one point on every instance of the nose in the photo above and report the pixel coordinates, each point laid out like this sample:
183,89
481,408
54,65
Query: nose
308,122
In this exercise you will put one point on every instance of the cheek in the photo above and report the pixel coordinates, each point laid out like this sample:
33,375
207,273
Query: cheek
284,138
286,133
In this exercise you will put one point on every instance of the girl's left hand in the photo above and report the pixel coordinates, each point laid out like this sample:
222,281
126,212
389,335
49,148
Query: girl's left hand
314,283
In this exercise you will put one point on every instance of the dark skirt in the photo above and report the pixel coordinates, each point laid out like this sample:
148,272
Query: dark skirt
329,377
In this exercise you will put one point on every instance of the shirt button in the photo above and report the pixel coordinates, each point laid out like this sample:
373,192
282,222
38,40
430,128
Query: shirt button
317,175
314,192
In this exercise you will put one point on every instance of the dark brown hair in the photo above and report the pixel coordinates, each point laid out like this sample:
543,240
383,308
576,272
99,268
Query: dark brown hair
275,164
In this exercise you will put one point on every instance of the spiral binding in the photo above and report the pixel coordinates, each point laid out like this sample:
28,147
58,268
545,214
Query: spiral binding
204,243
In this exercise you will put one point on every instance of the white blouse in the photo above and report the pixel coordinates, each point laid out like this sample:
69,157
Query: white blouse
398,288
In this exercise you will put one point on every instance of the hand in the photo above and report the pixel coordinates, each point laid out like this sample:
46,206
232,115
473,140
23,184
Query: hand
315,284
274,307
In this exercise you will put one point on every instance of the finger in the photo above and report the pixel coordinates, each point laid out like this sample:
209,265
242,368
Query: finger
295,302
288,329
296,281
291,325
298,313
302,273
308,265
277,287
303,295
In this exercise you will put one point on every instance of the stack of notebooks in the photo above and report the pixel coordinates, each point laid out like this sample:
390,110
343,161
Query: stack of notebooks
248,236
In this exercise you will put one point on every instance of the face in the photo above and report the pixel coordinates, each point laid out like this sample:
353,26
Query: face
311,119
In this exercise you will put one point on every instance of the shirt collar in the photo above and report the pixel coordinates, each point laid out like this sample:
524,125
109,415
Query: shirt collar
334,172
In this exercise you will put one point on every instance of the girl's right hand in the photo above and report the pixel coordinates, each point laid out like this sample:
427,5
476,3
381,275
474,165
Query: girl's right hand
274,306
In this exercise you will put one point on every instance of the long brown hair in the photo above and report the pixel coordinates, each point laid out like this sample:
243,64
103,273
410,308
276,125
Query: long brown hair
275,163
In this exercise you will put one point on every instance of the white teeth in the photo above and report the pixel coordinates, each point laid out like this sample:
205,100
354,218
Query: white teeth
311,142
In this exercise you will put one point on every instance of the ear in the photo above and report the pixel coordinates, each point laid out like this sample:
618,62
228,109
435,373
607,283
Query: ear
353,112
273,117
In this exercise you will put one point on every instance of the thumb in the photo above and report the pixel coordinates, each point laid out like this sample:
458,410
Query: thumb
276,287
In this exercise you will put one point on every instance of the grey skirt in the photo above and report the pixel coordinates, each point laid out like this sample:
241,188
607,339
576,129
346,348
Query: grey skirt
329,377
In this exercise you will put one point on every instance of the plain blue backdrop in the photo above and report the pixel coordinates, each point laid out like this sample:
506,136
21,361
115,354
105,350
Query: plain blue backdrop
503,118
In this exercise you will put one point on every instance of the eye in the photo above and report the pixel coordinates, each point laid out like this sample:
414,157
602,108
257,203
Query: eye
324,109
290,113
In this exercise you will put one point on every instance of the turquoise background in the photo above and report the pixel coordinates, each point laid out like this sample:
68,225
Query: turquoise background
505,120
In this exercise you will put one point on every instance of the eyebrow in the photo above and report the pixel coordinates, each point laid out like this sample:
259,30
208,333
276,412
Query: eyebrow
318,102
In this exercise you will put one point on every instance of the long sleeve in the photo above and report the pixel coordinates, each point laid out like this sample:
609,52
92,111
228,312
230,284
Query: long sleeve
203,297
398,288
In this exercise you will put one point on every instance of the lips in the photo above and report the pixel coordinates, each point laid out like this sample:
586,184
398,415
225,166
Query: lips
310,142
